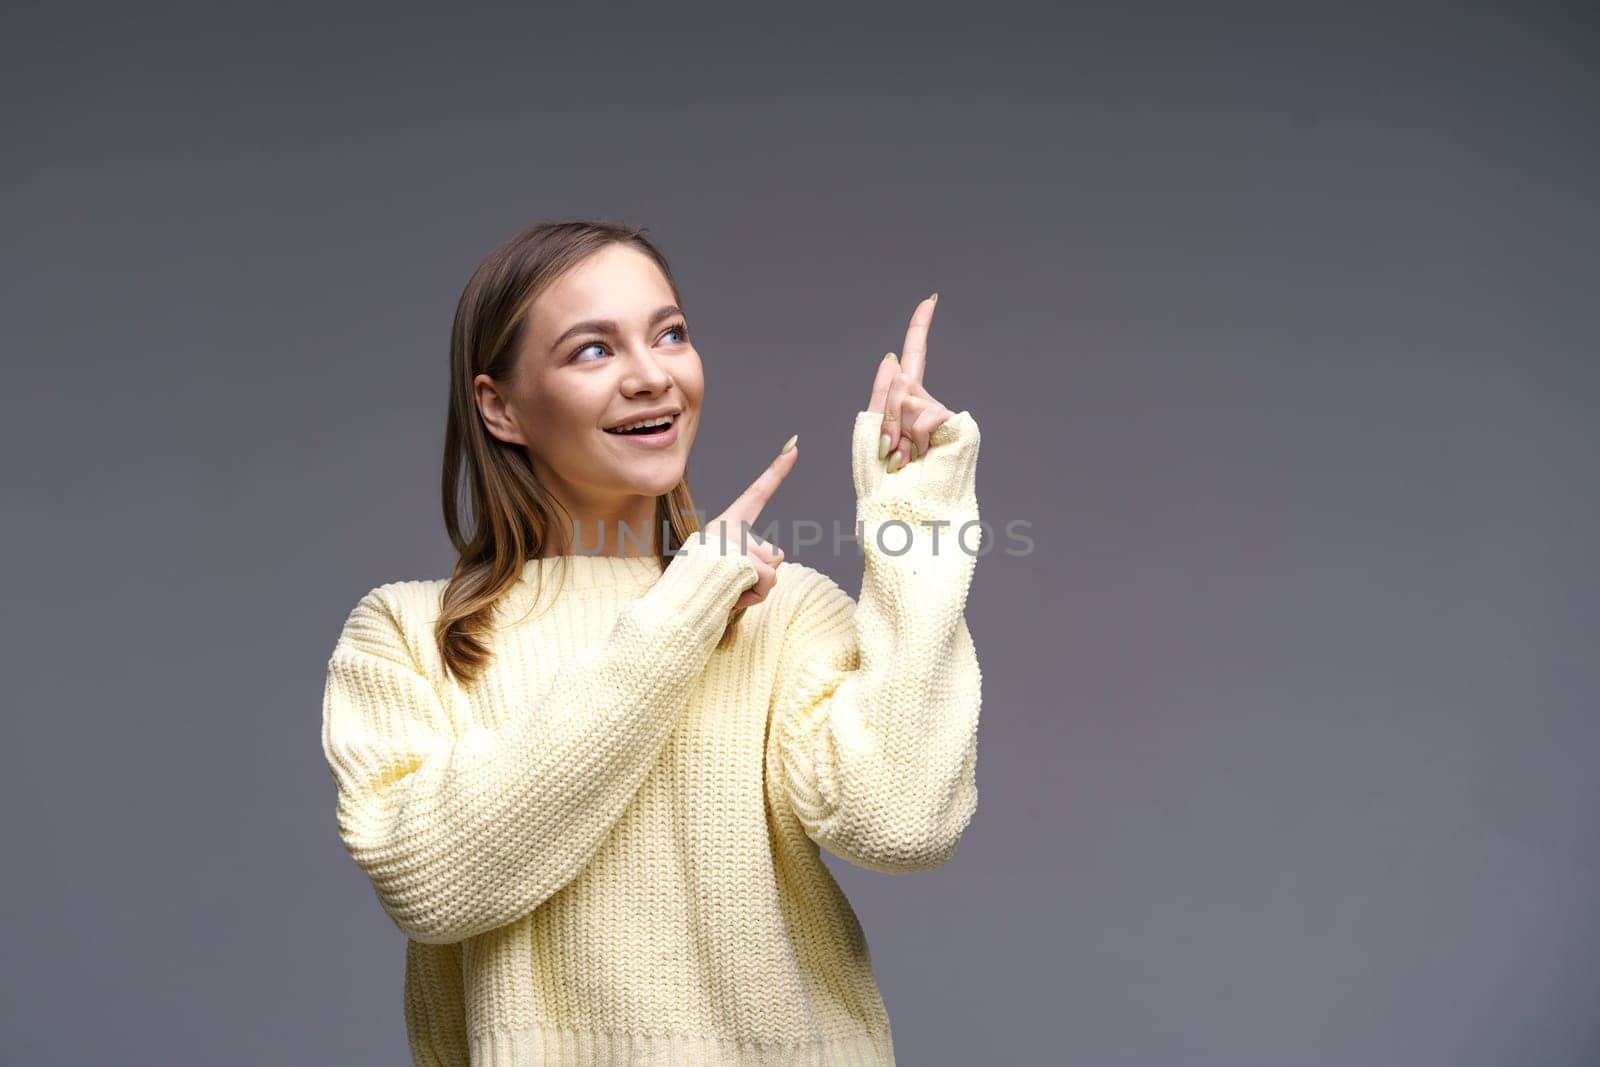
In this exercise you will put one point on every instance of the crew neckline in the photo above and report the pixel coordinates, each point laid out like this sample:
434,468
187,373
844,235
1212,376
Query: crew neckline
580,571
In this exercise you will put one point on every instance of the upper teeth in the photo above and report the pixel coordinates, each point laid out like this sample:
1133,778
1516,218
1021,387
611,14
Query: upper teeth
661,420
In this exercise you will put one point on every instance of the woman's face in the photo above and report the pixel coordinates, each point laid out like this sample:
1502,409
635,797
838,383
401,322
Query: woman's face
604,345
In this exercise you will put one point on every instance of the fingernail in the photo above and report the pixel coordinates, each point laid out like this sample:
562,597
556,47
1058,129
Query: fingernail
894,461
915,452
934,298
788,444
883,446
889,355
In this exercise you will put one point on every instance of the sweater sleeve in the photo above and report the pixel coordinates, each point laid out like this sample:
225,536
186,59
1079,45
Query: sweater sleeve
876,704
464,830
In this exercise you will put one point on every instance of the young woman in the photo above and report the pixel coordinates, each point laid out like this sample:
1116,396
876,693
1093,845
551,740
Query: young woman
596,814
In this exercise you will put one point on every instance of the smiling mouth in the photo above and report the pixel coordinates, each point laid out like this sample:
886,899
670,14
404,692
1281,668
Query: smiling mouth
655,430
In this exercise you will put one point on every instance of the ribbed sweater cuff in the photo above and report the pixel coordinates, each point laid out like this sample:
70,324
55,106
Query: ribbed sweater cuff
943,476
697,590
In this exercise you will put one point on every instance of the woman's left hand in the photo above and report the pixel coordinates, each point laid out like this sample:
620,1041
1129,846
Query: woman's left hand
909,412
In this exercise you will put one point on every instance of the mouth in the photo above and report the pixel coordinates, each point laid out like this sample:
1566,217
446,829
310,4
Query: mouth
659,432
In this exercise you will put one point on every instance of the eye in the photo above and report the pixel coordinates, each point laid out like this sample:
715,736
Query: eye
680,328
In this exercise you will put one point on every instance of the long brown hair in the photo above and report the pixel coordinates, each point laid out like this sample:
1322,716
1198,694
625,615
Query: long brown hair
512,513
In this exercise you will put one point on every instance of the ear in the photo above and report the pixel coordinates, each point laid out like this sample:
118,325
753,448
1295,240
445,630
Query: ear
498,419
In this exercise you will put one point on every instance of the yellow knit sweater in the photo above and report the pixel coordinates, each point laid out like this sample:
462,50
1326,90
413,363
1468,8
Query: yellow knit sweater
605,850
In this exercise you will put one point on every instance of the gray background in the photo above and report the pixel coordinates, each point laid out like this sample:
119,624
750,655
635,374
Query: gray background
1280,325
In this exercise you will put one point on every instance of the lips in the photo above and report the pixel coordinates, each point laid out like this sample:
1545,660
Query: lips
643,416
658,439
659,428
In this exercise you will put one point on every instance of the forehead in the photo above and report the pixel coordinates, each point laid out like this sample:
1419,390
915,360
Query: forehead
616,282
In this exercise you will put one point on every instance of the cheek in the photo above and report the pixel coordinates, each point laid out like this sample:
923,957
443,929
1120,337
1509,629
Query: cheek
558,404
692,378
556,425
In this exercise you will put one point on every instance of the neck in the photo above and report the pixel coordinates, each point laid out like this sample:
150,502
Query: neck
626,530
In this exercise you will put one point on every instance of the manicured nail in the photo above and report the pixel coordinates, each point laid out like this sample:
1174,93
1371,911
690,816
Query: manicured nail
888,355
894,461
934,298
788,444
883,446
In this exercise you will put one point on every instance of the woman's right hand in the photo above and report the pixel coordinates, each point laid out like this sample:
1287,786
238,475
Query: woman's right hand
740,519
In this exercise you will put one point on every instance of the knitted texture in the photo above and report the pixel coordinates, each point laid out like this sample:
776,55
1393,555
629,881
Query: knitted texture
605,850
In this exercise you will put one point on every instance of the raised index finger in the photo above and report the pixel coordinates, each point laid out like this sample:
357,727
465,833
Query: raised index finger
914,353
747,508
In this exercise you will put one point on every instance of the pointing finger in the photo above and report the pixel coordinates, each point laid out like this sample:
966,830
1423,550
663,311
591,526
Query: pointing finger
747,508
914,353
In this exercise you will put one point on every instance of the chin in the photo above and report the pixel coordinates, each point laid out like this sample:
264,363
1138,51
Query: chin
655,482
654,487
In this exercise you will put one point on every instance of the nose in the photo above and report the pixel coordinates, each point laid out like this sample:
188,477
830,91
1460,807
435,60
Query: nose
644,373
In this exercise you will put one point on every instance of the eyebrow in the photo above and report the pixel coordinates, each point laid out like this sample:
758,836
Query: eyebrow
607,326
